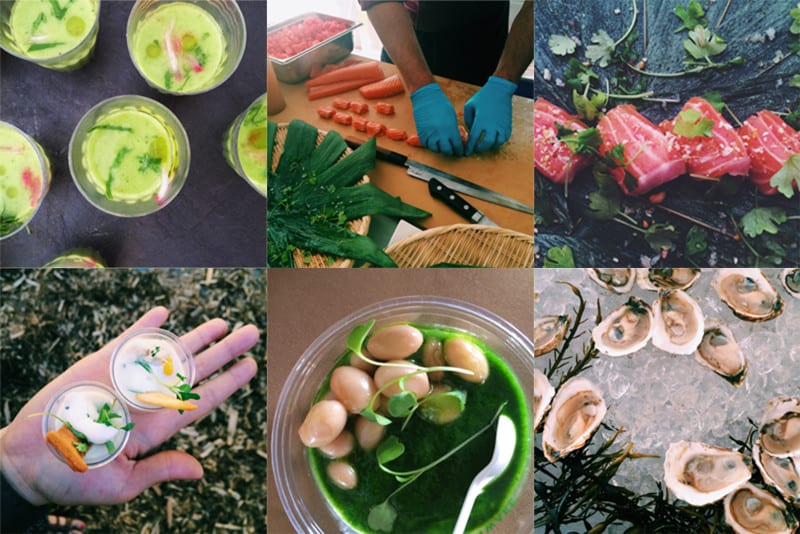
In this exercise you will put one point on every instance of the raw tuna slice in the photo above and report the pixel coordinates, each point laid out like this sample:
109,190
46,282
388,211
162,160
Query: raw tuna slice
648,160
770,142
720,153
552,156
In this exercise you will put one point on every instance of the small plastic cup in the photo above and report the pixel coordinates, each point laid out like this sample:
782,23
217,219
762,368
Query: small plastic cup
139,364
59,40
186,48
245,145
78,258
91,396
24,179
129,156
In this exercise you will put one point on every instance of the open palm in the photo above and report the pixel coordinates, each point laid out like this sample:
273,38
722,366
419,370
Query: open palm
40,477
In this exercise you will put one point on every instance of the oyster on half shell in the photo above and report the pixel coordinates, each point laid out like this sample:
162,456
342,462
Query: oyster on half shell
576,412
677,323
543,393
790,280
548,332
617,280
748,293
700,474
783,474
779,434
625,330
750,509
720,352
667,278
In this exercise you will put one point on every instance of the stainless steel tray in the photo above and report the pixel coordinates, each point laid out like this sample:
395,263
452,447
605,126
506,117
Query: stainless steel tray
333,49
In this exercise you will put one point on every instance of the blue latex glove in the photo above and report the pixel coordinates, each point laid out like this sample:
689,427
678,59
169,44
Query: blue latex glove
436,121
488,114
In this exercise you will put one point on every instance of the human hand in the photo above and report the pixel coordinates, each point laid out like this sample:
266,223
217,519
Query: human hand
488,115
40,477
436,121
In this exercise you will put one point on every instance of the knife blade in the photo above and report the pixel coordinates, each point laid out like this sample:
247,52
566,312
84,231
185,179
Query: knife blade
423,172
441,192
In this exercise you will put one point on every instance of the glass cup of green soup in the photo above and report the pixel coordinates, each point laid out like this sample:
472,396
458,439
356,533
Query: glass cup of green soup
186,48
57,34
77,258
24,178
129,156
245,145
389,415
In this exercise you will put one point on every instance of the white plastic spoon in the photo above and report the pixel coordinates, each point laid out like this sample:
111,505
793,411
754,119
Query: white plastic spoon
504,444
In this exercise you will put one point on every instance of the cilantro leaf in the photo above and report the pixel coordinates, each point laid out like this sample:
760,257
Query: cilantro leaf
660,236
630,182
715,99
691,123
577,76
589,106
559,257
702,44
600,53
795,14
606,201
760,220
561,45
696,241
794,81
81,446
586,142
691,16
789,174
148,162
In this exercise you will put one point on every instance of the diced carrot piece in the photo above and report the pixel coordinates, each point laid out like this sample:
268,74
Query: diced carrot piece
361,71
375,128
396,134
343,118
360,124
341,103
326,112
359,107
387,87
384,108
413,140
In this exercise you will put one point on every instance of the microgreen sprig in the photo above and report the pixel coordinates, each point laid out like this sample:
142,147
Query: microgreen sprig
182,389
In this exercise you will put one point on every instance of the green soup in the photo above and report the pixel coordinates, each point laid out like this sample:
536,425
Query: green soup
431,503
48,28
130,155
252,144
21,181
179,47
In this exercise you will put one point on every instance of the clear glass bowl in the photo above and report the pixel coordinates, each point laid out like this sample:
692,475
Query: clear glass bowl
97,455
305,504
126,352
254,118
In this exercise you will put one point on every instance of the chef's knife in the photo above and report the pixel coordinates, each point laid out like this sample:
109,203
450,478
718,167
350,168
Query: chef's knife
441,192
424,172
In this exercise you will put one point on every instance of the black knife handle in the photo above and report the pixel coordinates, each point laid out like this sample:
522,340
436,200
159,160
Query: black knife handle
382,154
441,192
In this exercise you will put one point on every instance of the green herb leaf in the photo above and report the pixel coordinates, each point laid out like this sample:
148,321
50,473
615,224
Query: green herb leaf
660,236
38,22
116,163
795,14
43,46
81,446
715,99
105,415
559,257
696,241
441,408
578,76
381,517
561,45
402,404
788,177
110,127
759,220
357,337
702,44
143,364
128,427
691,16
690,123
586,142
630,182
110,447
600,52
148,162
616,156
389,449
606,201
589,107
375,417
58,11
794,81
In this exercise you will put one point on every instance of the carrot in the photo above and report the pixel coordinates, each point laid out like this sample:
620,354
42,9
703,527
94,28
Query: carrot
413,140
326,112
63,441
359,107
330,89
320,70
390,86
375,128
341,103
360,71
360,124
396,134
384,108
157,398
343,118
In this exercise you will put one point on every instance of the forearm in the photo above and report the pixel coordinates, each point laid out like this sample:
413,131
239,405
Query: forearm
518,51
393,24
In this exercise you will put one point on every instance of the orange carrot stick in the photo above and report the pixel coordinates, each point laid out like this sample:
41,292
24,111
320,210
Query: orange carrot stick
371,71
390,86
330,89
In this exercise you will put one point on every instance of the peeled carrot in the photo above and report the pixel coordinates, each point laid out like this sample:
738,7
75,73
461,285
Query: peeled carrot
413,140
360,124
390,86
343,118
330,89
384,108
359,107
396,134
341,103
375,129
320,70
326,112
361,71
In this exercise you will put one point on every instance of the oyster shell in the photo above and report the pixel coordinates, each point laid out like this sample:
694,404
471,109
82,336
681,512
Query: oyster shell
625,330
667,278
790,279
700,474
781,473
720,352
543,393
678,322
750,509
576,412
548,332
748,294
616,280
779,434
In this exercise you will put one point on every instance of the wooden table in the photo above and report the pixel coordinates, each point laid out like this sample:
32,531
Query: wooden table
508,170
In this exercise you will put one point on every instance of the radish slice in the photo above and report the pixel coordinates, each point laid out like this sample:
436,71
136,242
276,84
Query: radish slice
172,52
162,191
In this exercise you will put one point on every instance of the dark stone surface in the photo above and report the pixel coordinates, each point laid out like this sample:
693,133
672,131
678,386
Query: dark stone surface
744,88
217,220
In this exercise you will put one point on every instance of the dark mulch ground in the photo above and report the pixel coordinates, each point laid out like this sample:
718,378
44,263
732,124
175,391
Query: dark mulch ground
51,318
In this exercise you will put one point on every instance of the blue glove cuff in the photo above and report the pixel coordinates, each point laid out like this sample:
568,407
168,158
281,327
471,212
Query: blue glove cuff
502,84
432,90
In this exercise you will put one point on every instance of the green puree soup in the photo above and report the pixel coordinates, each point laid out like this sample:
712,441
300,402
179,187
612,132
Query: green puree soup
49,28
20,179
252,144
180,47
130,155
432,502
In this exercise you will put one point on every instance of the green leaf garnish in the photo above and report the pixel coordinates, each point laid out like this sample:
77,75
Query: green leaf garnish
589,107
441,408
586,142
58,11
106,414
789,176
389,449
381,517
578,76
402,404
43,46
148,162
600,52
110,447
110,127
696,241
559,257
81,446
692,16
38,22
702,44
691,123
607,200
114,165
759,220
561,45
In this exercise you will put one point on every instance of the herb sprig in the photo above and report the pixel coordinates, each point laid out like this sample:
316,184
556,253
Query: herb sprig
181,389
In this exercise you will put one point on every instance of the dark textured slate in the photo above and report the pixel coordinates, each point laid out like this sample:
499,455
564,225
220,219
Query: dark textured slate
742,87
